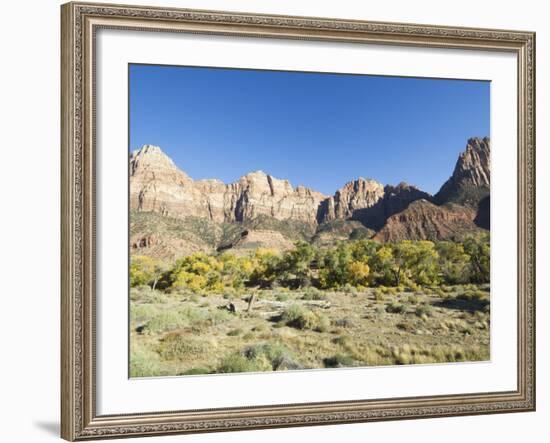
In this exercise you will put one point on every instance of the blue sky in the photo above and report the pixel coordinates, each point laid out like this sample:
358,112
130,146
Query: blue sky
317,130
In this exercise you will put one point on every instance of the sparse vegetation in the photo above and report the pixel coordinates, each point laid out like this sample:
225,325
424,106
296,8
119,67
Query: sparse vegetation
174,333
424,311
356,303
396,308
302,318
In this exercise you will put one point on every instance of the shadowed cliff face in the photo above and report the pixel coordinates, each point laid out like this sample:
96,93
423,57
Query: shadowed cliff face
158,186
460,207
368,202
483,216
471,177
360,194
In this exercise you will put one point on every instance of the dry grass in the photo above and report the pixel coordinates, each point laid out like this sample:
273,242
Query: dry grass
181,334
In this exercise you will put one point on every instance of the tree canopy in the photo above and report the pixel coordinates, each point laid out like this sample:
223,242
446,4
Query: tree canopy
358,263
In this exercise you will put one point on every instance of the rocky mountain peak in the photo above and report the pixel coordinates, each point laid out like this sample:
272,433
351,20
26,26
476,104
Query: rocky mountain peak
258,173
158,185
353,196
148,149
150,153
369,202
471,172
400,189
474,163
149,159
399,211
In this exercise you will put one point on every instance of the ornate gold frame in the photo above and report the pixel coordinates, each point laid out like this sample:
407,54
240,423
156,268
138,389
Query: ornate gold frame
79,420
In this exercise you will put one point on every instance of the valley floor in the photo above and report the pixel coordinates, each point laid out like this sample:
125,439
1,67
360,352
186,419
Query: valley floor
184,333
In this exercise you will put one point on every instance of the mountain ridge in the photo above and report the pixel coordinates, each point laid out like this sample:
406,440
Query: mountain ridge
387,213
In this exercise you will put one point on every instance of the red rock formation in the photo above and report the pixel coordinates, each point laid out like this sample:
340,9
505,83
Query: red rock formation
423,220
399,212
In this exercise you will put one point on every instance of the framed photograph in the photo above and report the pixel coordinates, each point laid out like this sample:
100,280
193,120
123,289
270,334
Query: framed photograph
277,221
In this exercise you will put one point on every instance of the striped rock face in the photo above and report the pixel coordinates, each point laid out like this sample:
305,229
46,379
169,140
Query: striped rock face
158,185
275,214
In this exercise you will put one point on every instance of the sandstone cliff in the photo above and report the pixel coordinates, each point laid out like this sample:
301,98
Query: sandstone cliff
157,185
369,202
179,215
353,196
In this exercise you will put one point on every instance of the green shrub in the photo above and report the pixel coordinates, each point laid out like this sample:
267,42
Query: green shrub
235,332
413,299
301,318
144,363
292,313
238,362
378,295
413,287
396,308
314,321
218,316
145,294
277,354
474,295
165,321
281,296
313,294
142,312
424,311
345,322
176,346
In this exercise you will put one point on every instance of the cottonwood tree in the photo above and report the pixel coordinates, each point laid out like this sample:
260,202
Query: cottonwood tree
296,264
406,261
145,270
334,266
454,263
358,273
266,267
479,250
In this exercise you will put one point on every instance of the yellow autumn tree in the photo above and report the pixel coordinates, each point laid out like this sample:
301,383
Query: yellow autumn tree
358,273
145,270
